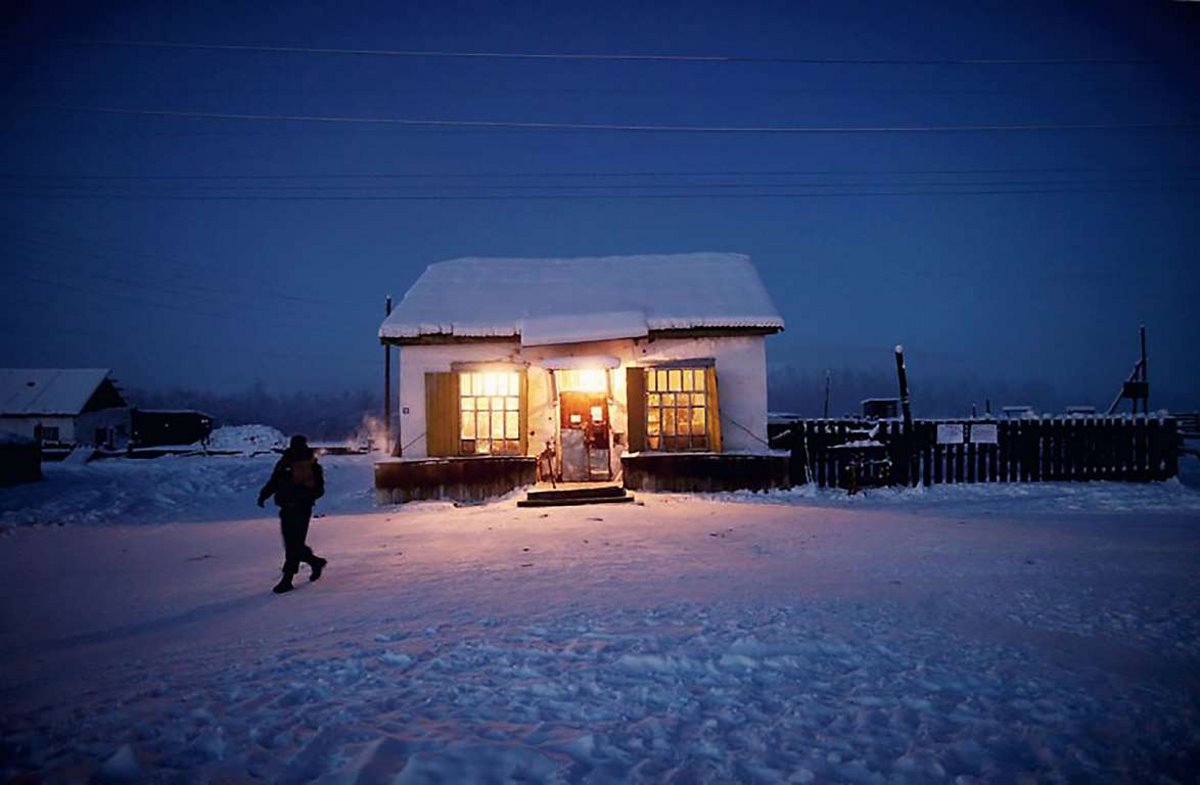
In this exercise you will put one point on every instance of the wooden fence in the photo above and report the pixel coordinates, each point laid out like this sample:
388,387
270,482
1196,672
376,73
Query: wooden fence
859,453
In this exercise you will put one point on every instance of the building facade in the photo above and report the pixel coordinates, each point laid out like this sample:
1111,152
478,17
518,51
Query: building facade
570,364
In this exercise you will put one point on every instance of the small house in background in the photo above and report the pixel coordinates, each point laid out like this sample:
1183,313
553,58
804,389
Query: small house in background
647,370
63,408
1019,413
881,408
168,428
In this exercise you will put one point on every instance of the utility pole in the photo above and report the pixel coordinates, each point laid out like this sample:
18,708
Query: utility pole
826,414
387,386
1145,376
1137,386
906,438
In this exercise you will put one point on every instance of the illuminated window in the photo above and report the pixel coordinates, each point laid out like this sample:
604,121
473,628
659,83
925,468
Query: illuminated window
489,407
676,409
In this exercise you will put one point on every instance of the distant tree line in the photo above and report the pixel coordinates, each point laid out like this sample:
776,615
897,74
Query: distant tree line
325,416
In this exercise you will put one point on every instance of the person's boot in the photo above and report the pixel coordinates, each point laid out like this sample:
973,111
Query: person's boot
284,585
318,565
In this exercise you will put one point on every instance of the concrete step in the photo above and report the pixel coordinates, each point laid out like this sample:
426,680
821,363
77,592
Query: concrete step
586,492
574,501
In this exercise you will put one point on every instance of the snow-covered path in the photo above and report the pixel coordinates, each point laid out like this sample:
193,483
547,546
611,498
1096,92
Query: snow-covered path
679,640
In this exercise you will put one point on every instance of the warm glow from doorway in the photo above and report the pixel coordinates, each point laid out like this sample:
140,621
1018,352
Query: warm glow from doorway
583,380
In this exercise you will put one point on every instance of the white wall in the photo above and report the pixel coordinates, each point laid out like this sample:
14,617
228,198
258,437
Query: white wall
741,365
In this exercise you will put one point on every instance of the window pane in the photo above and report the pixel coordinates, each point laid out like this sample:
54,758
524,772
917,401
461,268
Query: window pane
464,384
468,404
467,447
687,380
514,384
512,428
485,425
697,399
652,441
497,403
653,400
684,423
668,399
468,426
700,375
497,426
662,380
482,447
675,381
669,422
651,377
698,420
652,428
511,404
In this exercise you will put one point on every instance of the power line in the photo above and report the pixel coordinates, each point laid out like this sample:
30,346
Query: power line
635,128
571,196
605,57
348,189
610,174
62,243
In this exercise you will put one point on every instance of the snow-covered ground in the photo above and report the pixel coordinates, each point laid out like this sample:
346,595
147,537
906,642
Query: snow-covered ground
1029,633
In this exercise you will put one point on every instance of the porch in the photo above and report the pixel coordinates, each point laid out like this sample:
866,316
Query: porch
468,479
690,472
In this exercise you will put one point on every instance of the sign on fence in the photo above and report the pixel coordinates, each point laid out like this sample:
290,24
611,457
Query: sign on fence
984,433
950,433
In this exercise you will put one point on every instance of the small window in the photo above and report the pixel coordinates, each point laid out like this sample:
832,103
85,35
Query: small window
676,409
46,433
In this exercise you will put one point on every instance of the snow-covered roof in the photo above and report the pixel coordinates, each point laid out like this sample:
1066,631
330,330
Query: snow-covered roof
550,301
33,391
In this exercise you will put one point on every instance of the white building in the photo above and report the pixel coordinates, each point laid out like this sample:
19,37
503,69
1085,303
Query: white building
63,407
609,363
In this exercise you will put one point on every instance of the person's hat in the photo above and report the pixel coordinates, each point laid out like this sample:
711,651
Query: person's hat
299,442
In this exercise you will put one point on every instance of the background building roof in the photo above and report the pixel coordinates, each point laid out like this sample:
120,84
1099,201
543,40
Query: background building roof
34,391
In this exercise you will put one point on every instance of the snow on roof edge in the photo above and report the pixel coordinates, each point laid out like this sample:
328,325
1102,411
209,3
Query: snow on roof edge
484,297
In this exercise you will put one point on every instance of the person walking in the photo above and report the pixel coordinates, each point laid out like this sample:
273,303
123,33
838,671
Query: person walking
296,483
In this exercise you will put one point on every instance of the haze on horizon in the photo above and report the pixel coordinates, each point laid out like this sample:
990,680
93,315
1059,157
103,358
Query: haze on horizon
197,197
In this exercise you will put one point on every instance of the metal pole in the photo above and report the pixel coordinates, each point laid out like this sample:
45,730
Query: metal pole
907,438
1145,372
387,386
902,374
826,414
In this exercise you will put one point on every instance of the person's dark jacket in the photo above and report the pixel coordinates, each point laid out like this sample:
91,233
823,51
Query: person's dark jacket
297,480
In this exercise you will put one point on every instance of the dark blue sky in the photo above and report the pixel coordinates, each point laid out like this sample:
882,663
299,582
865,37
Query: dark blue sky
215,253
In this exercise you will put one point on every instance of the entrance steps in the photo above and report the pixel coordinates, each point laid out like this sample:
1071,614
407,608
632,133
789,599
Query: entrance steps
568,497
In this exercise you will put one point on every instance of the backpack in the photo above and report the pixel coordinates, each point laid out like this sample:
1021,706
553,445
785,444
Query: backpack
304,474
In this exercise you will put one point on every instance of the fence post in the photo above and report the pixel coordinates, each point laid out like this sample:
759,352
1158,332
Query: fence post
1171,447
926,441
1141,466
1154,456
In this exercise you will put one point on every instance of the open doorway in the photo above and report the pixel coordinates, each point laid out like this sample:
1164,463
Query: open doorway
584,431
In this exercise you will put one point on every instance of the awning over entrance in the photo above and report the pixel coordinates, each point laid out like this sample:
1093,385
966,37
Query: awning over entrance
585,362
581,328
